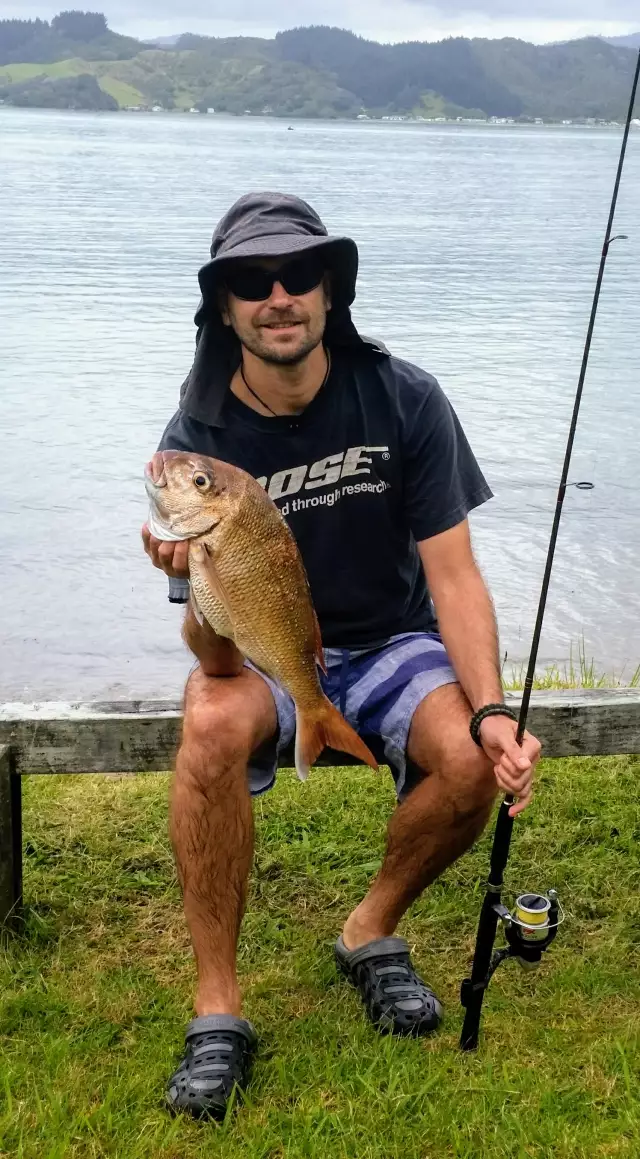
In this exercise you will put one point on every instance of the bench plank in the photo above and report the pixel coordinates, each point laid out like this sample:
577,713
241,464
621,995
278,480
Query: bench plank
141,736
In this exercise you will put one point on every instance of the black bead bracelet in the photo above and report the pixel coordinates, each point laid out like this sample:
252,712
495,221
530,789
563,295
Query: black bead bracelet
483,713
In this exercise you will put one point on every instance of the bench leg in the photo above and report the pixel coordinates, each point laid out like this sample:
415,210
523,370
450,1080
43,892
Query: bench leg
10,839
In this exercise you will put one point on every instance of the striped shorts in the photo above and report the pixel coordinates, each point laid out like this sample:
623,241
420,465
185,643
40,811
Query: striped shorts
378,691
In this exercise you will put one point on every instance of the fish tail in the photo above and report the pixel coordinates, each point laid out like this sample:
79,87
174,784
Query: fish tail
324,727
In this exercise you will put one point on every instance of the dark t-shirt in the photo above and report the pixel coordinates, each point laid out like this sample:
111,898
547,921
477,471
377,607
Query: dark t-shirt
375,463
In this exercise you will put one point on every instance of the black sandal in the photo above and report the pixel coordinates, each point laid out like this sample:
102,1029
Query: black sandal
396,999
217,1060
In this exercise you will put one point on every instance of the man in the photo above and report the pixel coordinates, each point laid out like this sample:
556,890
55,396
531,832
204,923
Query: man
366,460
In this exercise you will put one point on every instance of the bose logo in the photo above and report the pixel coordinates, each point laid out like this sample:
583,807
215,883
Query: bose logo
323,473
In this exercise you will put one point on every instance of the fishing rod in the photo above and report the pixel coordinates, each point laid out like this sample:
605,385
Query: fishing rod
534,925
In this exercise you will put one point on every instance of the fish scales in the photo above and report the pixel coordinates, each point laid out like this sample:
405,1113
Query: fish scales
266,603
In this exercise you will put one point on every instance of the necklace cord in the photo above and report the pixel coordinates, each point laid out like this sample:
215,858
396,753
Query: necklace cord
266,404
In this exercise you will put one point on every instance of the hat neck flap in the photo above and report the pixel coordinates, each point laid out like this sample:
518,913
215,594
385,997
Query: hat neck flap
218,356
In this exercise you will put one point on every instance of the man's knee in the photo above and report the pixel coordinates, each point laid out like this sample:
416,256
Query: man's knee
465,764
216,727
223,723
458,762
441,745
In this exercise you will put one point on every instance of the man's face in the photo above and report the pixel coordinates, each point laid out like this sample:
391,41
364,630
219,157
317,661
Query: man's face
285,327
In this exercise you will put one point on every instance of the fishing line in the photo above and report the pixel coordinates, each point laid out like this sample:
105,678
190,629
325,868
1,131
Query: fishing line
534,925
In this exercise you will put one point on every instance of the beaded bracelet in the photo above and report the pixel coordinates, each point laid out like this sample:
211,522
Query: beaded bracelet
483,713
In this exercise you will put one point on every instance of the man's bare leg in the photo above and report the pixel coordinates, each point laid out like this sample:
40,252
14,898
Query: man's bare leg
226,719
437,823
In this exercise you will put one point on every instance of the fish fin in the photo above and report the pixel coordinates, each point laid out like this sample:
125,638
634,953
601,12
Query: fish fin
326,727
201,555
213,598
318,643
197,610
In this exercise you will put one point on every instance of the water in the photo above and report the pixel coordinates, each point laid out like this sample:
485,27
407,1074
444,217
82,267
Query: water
479,250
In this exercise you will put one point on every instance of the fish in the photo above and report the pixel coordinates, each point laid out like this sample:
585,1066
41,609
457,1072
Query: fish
249,582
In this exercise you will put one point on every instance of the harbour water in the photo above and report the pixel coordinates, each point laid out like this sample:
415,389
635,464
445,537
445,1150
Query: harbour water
479,249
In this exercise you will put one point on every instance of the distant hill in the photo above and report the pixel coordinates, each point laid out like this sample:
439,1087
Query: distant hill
392,78
320,72
164,41
631,41
584,78
505,78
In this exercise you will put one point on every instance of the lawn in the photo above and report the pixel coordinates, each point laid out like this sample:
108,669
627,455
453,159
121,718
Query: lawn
96,991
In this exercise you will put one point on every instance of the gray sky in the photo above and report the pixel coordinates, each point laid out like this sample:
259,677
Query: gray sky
537,20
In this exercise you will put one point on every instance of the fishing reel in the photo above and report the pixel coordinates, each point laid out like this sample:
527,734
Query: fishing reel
529,931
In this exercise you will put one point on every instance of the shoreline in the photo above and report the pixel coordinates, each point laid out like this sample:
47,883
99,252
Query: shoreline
395,121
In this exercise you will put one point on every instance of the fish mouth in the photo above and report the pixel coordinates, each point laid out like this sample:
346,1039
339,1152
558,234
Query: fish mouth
154,472
161,530
154,488
154,476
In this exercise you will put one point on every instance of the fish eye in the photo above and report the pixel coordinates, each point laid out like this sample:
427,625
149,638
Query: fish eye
201,481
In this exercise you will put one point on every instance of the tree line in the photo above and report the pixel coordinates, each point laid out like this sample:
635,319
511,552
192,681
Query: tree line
43,41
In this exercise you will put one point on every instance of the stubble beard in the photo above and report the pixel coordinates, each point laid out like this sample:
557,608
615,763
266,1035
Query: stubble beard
253,342
282,358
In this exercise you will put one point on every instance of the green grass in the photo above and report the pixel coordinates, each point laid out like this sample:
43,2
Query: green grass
124,94
14,73
578,672
96,991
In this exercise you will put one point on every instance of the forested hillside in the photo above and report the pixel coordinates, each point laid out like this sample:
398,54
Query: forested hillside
317,72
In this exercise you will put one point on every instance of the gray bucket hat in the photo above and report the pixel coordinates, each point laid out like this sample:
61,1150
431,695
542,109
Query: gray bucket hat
269,225
264,225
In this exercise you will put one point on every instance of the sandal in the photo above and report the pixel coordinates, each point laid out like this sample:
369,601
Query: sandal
218,1056
396,1000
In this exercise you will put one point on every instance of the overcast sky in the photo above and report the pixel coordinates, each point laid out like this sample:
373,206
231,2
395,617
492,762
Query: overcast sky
387,20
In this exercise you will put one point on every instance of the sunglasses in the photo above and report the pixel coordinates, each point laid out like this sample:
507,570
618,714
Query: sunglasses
255,284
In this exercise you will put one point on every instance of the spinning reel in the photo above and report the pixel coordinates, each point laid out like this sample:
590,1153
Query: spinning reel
529,932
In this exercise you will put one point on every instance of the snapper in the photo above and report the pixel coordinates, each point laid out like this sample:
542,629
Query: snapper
249,582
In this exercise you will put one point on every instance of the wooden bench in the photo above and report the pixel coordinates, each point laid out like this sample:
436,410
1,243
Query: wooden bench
142,736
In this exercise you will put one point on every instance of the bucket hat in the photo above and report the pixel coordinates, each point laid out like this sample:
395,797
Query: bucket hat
264,225
267,225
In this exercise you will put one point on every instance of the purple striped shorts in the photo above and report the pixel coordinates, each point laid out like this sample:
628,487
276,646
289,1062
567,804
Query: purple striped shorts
378,691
